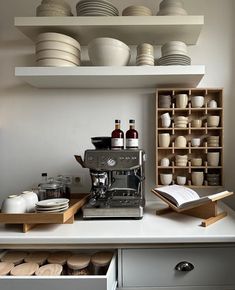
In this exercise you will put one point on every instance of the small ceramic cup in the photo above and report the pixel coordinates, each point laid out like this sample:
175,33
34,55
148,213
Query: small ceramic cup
165,162
196,161
166,179
213,158
166,120
196,123
196,142
212,104
198,178
181,100
213,121
14,204
181,180
197,101
31,199
164,139
180,142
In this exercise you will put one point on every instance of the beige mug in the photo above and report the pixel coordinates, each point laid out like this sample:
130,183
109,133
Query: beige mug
213,121
196,123
213,158
181,100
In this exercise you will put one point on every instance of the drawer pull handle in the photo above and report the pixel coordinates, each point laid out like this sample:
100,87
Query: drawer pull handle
184,267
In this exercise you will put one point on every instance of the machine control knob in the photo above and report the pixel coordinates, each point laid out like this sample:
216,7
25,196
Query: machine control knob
111,162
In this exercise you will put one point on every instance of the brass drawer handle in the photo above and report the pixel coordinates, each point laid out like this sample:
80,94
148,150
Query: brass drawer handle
184,266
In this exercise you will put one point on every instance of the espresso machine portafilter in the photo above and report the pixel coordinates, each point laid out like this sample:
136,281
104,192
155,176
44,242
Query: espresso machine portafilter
117,178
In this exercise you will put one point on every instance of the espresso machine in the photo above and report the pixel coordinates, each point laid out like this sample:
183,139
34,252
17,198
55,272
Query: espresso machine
117,178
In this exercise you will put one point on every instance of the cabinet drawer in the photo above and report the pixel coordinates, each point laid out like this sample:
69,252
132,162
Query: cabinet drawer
89,282
156,267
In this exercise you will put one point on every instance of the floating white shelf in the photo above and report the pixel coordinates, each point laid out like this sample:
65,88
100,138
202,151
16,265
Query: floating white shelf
111,77
129,29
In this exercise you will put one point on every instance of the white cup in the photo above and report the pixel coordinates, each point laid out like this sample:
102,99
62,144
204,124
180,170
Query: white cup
197,101
181,100
213,121
164,139
212,104
198,178
165,162
180,142
14,204
213,158
181,180
31,199
166,122
166,179
196,142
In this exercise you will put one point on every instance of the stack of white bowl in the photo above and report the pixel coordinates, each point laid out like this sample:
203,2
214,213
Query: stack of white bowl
56,49
181,121
96,8
105,51
213,141
171,7
174,53
54,8
145,55
136,10
181,160
164,101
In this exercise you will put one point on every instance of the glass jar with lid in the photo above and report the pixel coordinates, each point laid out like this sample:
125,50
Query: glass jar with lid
100,262
78,264
51,189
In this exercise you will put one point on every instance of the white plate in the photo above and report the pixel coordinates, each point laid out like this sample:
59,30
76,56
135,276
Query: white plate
52,202
47,62
57,45
51,208
52,211
44,54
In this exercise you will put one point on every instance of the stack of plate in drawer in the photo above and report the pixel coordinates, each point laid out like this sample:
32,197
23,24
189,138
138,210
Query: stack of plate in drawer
96,8
54,8
56,49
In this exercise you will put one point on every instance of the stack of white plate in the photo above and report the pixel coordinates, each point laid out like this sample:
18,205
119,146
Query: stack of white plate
54,8
174,53
56,49
145,55
52,205
172,7
96,8
136,10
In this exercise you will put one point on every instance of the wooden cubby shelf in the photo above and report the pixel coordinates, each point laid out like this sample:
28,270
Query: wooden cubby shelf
185,159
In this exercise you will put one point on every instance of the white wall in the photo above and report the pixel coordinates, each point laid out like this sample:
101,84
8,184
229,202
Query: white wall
41,130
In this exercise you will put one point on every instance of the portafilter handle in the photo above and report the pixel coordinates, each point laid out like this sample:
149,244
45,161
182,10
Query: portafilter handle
80,161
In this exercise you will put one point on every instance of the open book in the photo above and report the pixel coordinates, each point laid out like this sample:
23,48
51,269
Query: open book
183,197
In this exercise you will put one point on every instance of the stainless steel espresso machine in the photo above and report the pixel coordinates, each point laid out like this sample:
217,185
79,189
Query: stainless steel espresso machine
117,183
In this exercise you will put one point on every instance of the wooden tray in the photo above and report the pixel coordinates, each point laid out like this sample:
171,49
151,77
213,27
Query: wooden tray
30,220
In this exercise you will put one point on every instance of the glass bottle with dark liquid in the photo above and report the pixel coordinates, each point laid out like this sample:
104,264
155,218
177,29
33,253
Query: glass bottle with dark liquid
132,141
117,137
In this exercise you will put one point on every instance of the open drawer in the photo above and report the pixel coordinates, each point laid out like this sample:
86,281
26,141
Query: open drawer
88,282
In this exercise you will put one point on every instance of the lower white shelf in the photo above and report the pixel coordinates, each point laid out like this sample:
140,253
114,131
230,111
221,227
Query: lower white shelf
111,77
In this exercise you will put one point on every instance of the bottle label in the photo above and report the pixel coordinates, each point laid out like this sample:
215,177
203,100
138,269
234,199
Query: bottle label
130,142
117,142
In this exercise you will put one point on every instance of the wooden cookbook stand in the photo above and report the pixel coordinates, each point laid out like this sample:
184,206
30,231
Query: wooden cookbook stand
207,210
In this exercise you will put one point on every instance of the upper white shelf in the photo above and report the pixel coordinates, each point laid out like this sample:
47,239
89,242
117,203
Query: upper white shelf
129,29
112,77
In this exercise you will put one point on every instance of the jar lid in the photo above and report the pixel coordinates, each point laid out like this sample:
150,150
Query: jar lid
5,268
59,257
15,257
25,269
49,270
37,257
78,261
101,258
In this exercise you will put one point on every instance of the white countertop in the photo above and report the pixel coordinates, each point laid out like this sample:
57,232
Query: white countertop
152,229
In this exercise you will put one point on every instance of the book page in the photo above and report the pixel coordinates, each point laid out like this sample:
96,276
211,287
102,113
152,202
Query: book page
178,194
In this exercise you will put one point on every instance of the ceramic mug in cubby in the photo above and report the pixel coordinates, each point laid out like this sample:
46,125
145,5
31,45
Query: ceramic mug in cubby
181,180
166,179
198,178
164,139
213,158
213,121
181,101
197,101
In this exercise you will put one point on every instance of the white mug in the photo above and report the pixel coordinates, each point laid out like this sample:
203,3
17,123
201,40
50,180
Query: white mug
198,178
196,142
31,199
197,101
166,179
212,104
213,121
181,180
164,139
165,162
181,100
180,142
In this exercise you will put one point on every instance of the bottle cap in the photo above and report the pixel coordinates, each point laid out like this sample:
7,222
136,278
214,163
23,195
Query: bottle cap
132,121
44,174
117,121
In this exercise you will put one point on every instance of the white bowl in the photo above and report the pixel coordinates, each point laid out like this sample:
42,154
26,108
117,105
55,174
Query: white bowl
166,179
58,2
31,199
171,3
54,62
57,45
44,54
197,101
181,180
104,51
52,36
172,11
14,204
